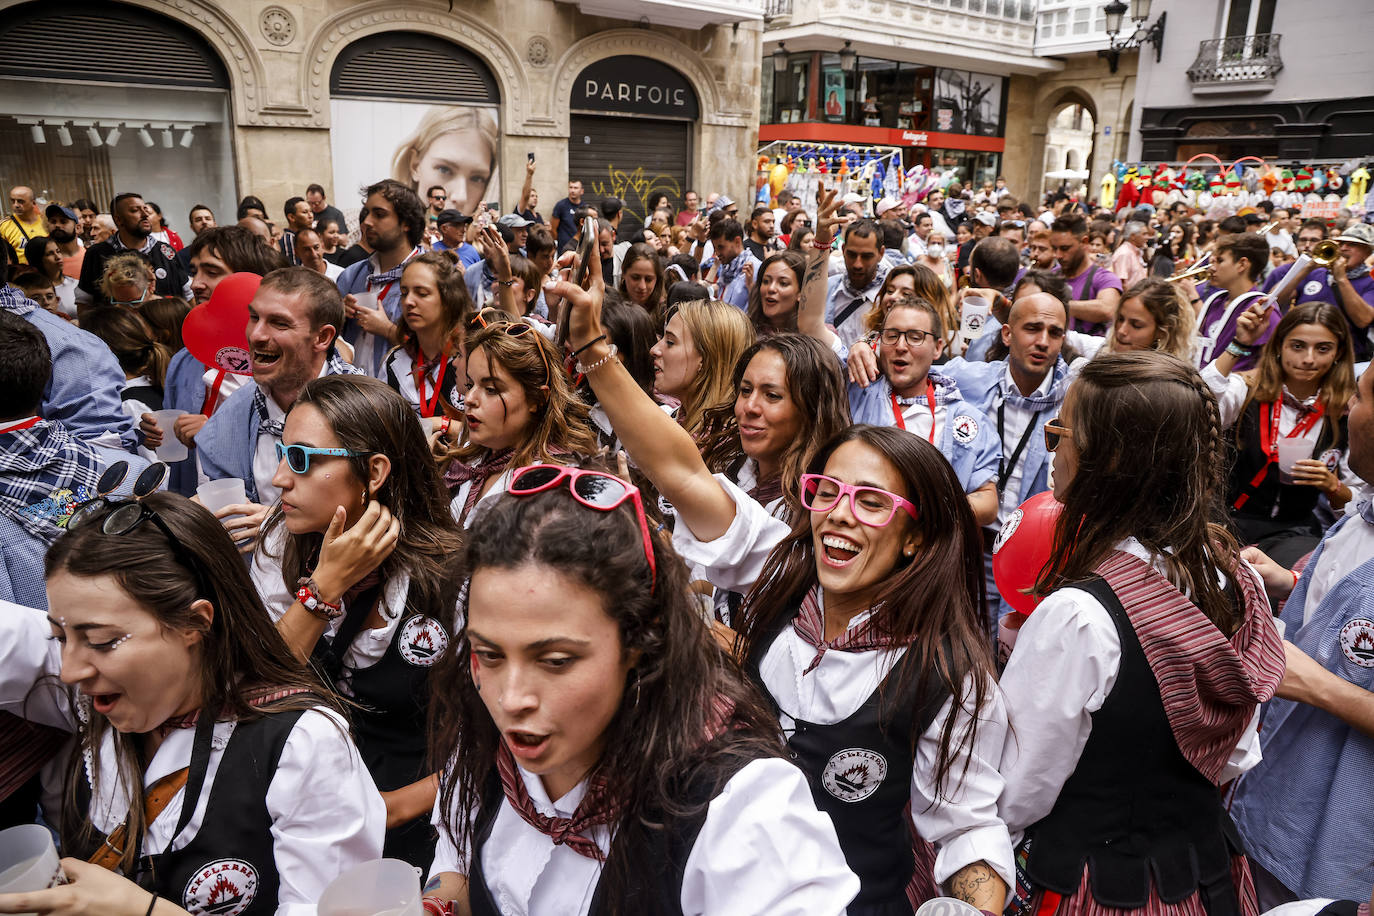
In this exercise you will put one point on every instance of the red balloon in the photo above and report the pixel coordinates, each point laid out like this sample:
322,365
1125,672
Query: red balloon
1022,549
216,332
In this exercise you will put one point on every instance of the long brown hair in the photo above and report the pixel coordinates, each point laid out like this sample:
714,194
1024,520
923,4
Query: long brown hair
562,420
818,395
656,744
370,417
242,655
930,603
131,339
1336,388
720,334
1151,465
794,261
642,251
1171,313
455,304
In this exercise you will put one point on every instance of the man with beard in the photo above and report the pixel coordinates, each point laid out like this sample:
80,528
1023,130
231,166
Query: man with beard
134,233
63,225
851,294
292,323
1096,291
191,385
392,223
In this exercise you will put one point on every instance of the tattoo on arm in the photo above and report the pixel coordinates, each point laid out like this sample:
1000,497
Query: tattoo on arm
433,884
979,885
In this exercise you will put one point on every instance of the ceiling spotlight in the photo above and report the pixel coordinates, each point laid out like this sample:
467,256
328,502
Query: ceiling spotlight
144,137
113,136
186,139
37,131
64,135
94,136
167,139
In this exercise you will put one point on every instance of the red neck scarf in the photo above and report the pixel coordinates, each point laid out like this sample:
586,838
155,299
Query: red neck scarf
594,811
810,626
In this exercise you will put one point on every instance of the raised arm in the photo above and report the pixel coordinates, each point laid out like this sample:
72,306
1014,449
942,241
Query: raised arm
811,303
1099,310
661,448
494,250
526,187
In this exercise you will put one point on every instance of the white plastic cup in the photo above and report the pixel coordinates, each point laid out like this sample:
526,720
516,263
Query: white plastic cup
366,299
171,448
28,860
382,887
1291,451
973,315
216,494
947,906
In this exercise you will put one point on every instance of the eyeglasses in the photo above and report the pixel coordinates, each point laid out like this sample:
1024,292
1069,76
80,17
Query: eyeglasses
1053,433
298,456
914,336
124,515
593,489
489,317
870,505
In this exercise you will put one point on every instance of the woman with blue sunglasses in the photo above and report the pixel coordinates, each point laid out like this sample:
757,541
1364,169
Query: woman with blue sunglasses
861,626
359,566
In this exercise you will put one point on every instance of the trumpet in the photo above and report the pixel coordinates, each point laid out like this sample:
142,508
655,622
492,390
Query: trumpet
1201,268
1325,253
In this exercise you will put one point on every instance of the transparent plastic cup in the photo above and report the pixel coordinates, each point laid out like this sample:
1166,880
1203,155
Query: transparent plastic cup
216,494
382,887
171,448
28,860
1291,451
366,299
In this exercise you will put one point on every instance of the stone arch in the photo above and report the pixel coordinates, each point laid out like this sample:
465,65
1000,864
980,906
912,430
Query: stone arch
1049,101
643,43
247,74
336,32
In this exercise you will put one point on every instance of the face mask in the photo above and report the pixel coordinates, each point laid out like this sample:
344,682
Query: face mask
935,250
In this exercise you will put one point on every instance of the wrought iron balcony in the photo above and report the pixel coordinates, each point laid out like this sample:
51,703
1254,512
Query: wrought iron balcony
772,9
1238,60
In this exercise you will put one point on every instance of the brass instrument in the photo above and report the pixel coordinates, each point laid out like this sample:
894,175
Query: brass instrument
1198,271
1325,253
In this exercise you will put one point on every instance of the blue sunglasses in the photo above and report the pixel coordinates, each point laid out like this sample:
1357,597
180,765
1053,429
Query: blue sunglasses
298,456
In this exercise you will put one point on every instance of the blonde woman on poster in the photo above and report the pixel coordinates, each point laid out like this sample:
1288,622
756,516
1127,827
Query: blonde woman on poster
454,147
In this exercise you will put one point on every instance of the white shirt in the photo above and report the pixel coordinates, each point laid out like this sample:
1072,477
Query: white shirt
1070,642
66,298
964,825
332,270
265,460
1016,419
1344,551
484,501
764,848
134,409
917,418
327,815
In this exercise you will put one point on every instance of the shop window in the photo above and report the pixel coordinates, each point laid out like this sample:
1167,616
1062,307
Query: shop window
789,90
877,86
834,90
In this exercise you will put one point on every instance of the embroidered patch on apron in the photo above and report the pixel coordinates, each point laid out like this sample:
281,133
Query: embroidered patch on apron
225,888
853,774
422,641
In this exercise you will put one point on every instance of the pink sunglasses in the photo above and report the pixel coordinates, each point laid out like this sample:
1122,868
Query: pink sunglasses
870,505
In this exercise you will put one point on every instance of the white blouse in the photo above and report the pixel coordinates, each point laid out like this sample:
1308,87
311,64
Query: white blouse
484,501
764,848
1061,671
327,815
964,824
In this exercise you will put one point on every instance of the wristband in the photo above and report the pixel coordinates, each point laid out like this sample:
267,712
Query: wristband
444,424
151,903
1238,351
433,906
1296,577
506,283
588,370
592,342
308,594
819,247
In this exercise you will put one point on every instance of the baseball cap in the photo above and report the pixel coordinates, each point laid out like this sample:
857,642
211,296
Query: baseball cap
514,221
987,219
68,212
887,203
453,216
724,203
852,198
1358,233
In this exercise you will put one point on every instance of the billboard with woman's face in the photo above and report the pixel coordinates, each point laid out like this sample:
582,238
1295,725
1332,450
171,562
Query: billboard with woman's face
453,146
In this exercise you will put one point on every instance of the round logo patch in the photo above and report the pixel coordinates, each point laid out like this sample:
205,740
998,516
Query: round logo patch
853,774
1357,641
223,888
1312,288
160,273
422,640
233,359
1331,458
1008,530
965,429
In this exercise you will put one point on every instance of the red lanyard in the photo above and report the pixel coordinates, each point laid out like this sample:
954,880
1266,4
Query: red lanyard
23,424
930,402
427,408
381,297
1269,440
212,398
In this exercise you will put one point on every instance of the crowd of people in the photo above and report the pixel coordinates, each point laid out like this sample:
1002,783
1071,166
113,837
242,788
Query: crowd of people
650,562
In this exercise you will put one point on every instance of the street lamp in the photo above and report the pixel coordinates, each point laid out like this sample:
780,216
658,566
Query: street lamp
1141,35
780,59
847,56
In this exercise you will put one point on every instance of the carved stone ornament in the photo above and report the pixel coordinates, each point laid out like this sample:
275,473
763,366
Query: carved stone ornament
537,51
278,26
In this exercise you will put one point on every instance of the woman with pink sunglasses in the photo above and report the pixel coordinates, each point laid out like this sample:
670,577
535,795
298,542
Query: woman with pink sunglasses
861,628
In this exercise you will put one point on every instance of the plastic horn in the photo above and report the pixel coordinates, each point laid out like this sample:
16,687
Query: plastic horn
1290,278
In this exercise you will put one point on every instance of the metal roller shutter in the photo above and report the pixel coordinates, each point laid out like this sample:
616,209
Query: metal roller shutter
407,65
632,158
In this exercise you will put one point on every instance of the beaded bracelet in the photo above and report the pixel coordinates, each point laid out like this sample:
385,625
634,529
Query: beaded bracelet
1238,351
588,370
506,283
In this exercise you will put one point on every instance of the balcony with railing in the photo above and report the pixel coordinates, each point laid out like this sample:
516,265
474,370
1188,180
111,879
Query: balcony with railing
1239,63
684,14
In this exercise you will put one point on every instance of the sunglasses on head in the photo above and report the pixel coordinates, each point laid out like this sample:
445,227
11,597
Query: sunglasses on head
489,317
593,489
298,456
118,516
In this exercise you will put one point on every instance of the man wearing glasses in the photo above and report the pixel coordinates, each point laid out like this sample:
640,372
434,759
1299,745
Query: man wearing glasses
323,210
